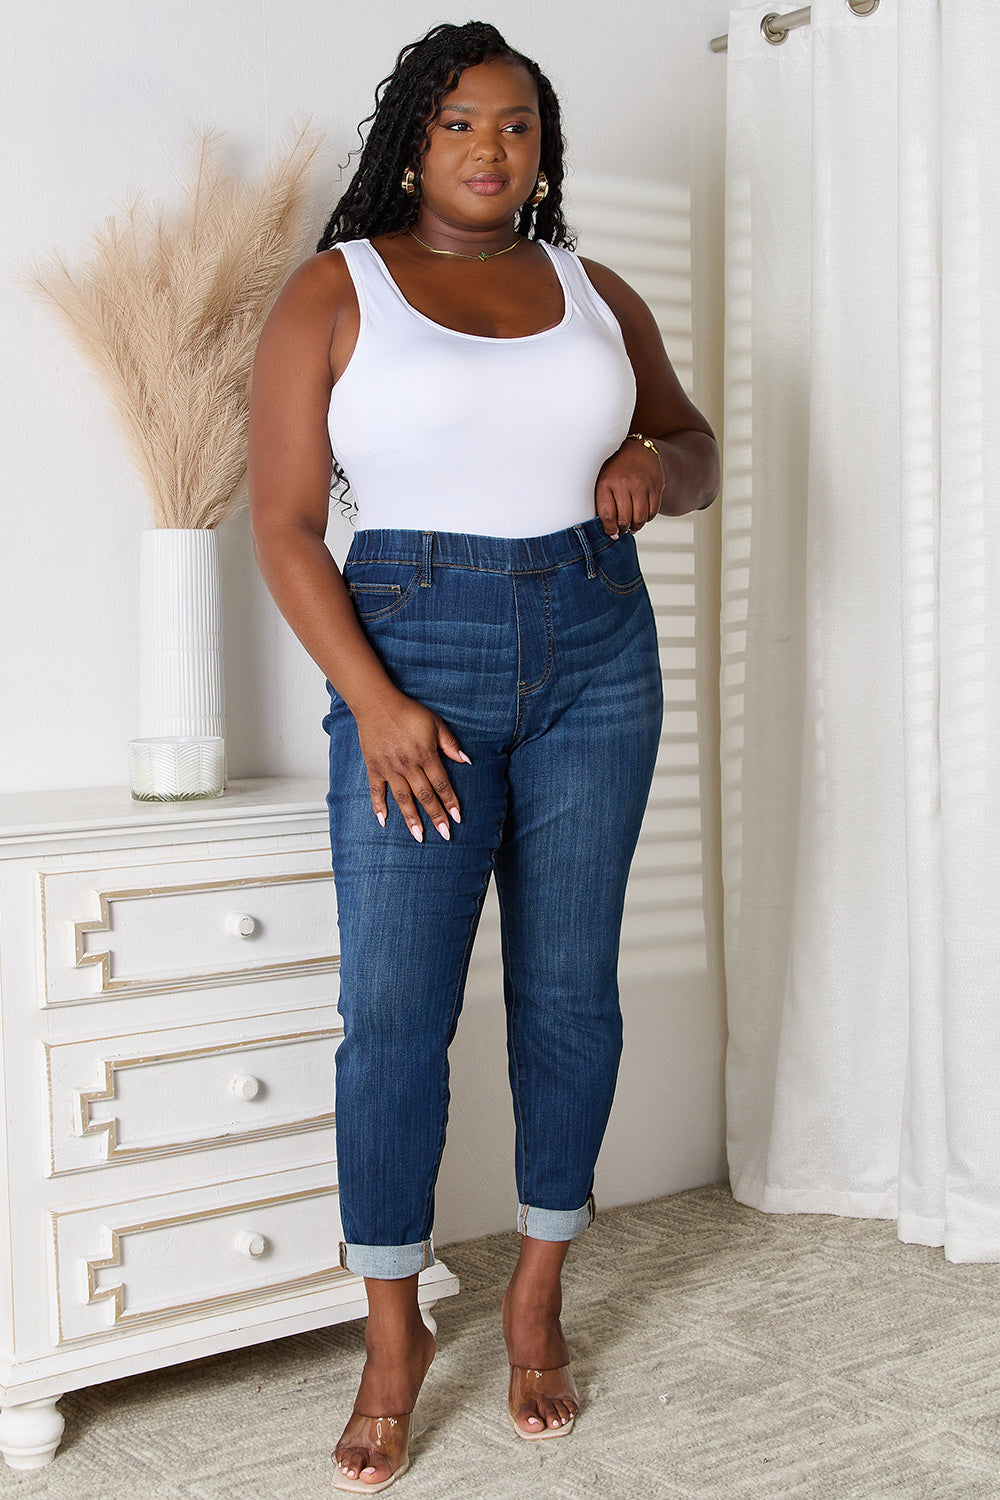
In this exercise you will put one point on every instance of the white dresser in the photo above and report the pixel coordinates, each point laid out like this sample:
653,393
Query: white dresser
168,984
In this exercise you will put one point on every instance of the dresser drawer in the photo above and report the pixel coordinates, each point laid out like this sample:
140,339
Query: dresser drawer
181,925
156,1094
187,1254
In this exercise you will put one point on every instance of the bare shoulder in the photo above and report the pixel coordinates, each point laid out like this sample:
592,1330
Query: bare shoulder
315,293
313,325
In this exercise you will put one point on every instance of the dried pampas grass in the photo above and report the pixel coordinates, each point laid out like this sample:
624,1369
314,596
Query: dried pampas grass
168,313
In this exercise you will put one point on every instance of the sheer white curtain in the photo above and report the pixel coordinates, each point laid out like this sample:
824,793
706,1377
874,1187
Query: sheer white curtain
861,617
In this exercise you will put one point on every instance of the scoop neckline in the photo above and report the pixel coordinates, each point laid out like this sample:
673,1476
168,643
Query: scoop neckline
484,338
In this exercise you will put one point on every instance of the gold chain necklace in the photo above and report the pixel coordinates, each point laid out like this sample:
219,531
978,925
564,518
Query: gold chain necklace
483,254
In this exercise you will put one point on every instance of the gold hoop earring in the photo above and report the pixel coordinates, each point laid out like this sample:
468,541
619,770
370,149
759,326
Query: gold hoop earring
409,183
541,189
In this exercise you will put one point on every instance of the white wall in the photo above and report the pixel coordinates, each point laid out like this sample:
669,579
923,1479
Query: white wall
94,102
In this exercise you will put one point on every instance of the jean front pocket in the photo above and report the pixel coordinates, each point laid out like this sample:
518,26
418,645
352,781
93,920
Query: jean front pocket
380,589
617,566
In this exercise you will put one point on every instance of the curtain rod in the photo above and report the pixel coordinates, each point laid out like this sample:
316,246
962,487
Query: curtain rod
775,27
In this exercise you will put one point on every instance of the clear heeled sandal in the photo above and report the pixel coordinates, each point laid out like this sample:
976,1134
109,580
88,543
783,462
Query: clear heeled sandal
528,1386
389,1436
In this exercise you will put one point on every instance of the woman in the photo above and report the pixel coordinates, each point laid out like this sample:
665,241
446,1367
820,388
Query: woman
506,416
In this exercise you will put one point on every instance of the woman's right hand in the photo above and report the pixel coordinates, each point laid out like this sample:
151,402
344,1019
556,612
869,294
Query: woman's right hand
400,740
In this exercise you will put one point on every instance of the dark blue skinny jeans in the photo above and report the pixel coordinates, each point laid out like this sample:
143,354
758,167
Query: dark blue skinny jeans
540,654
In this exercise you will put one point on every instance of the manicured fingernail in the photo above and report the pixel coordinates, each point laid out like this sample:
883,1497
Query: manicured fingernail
462,756
381,818
418,832
443,830
455,814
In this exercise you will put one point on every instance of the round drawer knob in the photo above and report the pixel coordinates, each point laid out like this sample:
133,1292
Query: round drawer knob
245,1086
250,1244
240,924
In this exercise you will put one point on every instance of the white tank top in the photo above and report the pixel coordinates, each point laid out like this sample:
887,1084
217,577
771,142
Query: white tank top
445,431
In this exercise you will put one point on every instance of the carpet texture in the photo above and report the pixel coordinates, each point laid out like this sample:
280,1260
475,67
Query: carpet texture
719,1352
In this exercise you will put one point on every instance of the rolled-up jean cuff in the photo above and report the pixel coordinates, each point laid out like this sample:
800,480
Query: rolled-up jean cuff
387,1262
555,1223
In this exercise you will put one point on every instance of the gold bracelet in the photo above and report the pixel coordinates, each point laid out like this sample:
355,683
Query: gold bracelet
646,443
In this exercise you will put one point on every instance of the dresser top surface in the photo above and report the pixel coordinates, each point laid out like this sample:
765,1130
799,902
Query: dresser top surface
71,812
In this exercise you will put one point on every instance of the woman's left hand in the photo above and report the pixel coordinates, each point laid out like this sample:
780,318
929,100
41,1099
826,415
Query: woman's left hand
629,488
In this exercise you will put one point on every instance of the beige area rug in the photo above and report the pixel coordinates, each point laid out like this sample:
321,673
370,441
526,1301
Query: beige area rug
720,1352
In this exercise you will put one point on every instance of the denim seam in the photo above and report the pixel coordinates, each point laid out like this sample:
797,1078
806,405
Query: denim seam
520,698
462,974
547,672
425,1252
587,551
619,588
588,1204
375,617
516,1087
384,614
468,567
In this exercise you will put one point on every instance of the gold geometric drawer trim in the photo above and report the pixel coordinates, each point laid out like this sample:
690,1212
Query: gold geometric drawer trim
326,963
114,1150
116,1294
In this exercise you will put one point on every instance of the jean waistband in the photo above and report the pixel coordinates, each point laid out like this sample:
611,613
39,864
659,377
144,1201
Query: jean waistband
494,554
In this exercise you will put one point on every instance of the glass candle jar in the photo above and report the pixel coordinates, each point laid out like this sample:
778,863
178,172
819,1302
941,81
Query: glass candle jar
176,768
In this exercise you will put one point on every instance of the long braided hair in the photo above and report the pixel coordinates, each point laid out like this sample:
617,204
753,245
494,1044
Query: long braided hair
405,104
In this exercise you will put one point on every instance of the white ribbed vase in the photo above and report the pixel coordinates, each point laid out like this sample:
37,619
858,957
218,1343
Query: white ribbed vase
180,634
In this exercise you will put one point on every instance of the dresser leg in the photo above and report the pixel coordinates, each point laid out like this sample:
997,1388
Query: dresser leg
429,1320
30,1433
426,1314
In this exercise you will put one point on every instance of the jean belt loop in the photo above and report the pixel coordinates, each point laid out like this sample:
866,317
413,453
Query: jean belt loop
587,553
425,577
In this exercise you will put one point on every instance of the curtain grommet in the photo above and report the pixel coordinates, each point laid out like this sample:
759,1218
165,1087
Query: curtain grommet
775,34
